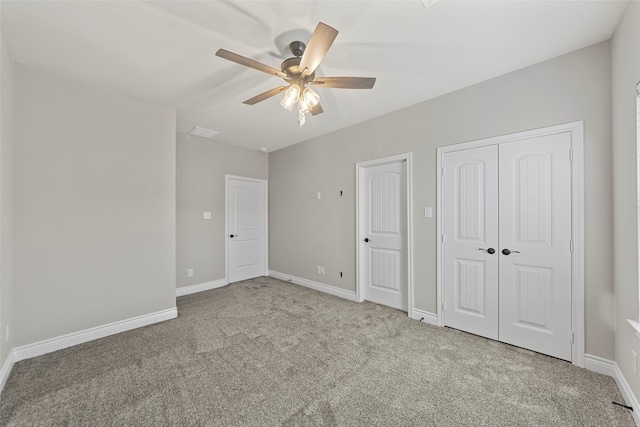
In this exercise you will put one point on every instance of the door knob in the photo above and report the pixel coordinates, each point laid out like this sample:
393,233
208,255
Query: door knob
233,235
506,251
366,240
490,251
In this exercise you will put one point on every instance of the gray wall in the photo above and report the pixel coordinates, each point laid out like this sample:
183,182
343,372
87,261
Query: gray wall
201,167
626,73
6,198
305,232
94,207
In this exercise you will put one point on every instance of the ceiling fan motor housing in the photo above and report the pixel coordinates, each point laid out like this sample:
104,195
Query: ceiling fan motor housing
297,48
291,67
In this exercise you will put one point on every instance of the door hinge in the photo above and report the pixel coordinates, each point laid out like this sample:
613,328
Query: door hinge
443,306
442,170
571,245
571,155
572,337
442,239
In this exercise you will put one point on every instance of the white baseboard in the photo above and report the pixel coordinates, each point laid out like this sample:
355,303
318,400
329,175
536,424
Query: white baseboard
627,393
610,368
186,290
75,338
350,295
6,370
425,316
600,365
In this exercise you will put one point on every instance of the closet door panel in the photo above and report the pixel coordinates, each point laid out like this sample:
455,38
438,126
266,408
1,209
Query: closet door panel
470,198
535,238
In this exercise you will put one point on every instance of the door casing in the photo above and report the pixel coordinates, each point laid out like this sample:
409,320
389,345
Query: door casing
226,221
577,222
360,169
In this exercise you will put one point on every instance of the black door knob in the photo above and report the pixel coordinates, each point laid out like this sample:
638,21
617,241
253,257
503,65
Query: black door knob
490,251
232,235
366,240
506,251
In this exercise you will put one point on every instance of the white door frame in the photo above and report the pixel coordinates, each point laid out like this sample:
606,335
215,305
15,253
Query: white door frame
360,169
577,220
227,177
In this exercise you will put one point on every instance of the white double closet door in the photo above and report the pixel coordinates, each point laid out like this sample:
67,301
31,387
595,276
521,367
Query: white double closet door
507,242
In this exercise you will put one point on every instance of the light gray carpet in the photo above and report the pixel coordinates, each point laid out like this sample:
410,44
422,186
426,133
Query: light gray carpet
266,352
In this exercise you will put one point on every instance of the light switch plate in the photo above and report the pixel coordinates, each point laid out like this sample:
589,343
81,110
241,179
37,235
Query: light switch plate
428,212
206,215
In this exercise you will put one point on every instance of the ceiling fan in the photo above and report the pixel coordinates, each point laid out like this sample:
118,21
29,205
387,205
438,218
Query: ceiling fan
299,72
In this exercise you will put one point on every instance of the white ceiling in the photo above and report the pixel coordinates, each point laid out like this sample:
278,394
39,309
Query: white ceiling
163,52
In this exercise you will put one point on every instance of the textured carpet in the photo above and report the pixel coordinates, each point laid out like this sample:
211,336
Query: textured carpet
266,352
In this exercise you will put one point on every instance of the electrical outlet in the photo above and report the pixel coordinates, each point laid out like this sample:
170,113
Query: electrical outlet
190,272
206,215
634,362
320,270
318,195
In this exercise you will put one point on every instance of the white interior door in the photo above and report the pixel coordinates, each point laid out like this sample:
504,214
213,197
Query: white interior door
535,225
383,217
470,198
512,199
247,228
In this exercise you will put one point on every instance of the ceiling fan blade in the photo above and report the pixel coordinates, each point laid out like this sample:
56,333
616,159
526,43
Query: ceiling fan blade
265,95
316,110
248,62
318,46
345,82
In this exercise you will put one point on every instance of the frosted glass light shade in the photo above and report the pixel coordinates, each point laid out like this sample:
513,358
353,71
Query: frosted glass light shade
310,97
291,96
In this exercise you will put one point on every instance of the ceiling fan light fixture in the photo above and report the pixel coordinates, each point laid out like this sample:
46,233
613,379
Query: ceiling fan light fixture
291,96
310,97
300,71
287,103
304,107
308,100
